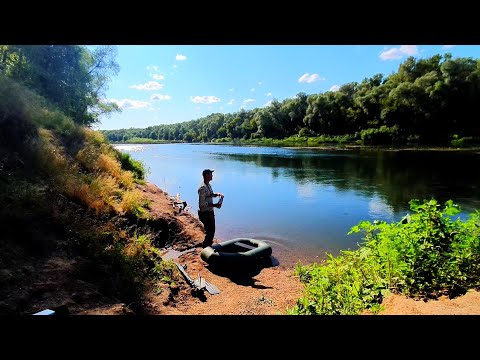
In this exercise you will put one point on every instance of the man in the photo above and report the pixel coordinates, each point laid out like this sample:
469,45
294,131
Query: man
206,205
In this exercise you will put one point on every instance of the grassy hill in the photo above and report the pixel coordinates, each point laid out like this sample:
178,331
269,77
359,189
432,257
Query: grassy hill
72,213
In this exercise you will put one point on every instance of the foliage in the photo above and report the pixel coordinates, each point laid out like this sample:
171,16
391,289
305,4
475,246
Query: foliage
129,260
138,140
70,77
468,141
425,255
382,136
135,166
425,102
62,180
75,160
17,127
166,271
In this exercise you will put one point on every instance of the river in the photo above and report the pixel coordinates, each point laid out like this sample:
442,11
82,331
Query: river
307,199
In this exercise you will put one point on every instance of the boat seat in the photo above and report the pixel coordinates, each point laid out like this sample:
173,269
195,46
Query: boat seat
245,246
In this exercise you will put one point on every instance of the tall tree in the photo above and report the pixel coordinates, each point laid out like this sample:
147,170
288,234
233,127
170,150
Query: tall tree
69,76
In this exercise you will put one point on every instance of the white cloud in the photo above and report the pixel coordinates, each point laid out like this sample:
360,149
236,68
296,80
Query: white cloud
151,85
269,94
231,102
160,97
398,53
130,103
175,66
307,78
232,89
180,57
245,102
204,99
259,83
152,67
269,102
448,46
252,89
158,77
221,107
334,88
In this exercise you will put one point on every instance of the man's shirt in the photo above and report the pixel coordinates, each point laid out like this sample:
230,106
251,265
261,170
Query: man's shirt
205,197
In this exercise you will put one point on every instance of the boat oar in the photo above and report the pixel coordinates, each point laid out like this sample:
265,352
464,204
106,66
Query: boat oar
200,284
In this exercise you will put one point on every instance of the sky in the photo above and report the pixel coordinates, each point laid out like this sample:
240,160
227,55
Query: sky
168,84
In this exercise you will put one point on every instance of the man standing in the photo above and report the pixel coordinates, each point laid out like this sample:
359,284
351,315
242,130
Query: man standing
206,205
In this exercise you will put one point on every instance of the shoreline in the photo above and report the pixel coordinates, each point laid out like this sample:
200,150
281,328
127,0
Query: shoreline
324,147
284,255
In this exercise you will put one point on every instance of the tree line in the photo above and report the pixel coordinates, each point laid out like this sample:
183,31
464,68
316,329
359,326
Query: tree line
427,101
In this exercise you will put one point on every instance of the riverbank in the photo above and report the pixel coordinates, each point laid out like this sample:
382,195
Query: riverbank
265,291
319,147
69,282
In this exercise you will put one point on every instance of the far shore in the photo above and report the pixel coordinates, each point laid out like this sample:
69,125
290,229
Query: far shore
322,147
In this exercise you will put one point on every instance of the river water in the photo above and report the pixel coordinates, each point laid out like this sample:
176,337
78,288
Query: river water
304,201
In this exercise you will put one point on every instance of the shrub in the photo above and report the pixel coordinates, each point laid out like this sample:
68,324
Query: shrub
425,255
130,164
382,136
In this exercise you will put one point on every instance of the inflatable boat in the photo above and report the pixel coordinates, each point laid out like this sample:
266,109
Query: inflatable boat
240,251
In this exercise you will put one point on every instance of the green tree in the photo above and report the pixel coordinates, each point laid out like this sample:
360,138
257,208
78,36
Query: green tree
69,76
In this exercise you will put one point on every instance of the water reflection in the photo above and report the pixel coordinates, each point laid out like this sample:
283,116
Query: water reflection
377,209
306,190
397,176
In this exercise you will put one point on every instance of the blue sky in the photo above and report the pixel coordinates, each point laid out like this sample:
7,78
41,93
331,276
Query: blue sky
167,84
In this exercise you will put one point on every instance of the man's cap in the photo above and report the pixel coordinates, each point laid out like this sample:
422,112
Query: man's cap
207,171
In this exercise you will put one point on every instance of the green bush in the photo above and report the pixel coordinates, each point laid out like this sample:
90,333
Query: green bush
382,136
130,164
464,142
425,255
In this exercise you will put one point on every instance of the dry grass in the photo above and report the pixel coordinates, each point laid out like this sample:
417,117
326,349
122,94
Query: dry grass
132,202
126,179
107,164
139,246
51,156
109,187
